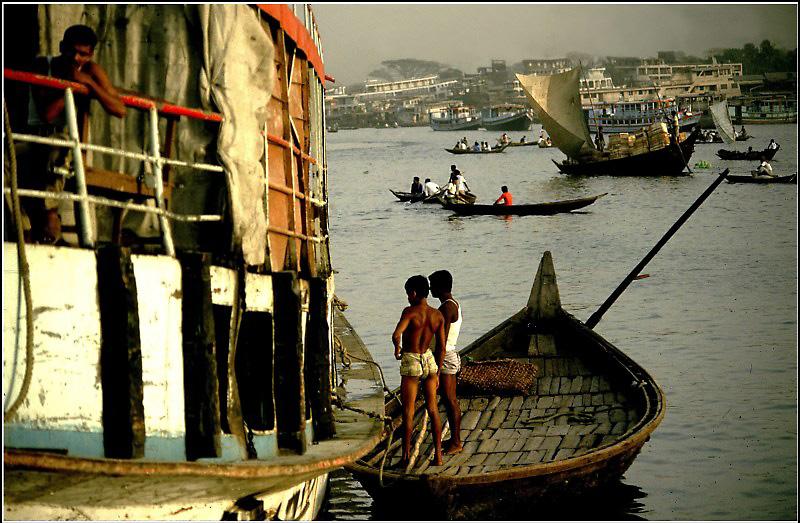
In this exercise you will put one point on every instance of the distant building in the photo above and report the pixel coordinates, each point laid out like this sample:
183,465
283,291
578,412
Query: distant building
546,66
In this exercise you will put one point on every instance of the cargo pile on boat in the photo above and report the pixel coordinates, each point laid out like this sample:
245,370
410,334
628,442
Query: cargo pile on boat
650,138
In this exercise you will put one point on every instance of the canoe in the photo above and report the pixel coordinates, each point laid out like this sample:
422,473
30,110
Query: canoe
408,197
498,149
586,416
669,161
524,209
792,178
751,155
518,144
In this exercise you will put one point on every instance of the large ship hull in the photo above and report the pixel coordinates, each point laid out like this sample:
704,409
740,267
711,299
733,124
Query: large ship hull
462,125
518,122
191,373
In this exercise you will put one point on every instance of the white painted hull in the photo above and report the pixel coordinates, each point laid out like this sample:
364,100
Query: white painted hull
301,502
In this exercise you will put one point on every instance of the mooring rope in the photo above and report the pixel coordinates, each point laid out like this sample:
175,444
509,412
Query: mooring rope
24,271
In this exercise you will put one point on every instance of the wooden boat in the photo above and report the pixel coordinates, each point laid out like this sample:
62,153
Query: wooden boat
587,415
556,100
747,155
668,161
467,198
140,383
522,144
498,149
413,198
792,178
528,209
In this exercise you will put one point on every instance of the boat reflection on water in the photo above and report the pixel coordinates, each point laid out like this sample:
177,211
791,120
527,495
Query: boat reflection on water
617,501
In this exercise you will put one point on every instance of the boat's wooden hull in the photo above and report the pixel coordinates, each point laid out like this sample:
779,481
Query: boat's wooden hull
669,161
470,151
518,144
588,415
541,209
762,179
752,156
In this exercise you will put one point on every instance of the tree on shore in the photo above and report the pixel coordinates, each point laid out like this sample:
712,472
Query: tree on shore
766,58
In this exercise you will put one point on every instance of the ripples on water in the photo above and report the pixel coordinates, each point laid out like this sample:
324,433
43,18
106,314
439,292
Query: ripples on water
715,323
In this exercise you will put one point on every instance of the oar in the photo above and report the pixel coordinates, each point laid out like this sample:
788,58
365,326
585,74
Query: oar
595,318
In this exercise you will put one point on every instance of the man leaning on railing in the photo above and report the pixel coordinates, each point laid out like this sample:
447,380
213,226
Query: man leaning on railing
46,117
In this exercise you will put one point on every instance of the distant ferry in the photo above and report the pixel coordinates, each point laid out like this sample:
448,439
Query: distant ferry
461,118
627,117
771,109
507,117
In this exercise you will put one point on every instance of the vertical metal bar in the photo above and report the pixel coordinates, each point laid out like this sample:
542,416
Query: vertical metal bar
87,235
155,153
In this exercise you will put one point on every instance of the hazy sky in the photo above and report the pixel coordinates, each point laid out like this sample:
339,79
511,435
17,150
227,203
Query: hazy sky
356,38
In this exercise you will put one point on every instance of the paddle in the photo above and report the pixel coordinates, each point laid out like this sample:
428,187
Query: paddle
595,318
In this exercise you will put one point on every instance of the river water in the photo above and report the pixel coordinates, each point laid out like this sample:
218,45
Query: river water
715,323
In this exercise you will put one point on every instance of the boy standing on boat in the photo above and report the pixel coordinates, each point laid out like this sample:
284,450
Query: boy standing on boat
418,325
441,288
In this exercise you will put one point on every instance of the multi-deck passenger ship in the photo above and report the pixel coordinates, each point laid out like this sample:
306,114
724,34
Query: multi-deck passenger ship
176,357
627,117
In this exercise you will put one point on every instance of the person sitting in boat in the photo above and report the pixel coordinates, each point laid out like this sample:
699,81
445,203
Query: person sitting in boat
416,186
476,147
431,188
506,198
772,144
522,140
599,141
504,139
742,131
441,288
547,142
765,169
419,324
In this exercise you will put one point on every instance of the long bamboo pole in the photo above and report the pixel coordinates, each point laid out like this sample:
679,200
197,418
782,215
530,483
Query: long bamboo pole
595,318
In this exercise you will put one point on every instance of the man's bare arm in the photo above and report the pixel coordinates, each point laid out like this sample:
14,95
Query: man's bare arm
440,341
397,336
97,81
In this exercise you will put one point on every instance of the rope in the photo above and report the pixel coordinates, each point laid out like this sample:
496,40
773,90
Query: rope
346,358
23,270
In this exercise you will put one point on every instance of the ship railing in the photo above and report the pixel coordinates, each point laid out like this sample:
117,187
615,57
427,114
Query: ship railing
154,158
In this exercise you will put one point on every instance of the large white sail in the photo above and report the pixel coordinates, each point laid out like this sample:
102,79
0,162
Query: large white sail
557,102
722,121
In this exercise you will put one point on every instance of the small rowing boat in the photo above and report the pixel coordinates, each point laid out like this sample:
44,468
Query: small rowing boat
522,144
498,149
570,426
747,155
411,197
792,178
546,208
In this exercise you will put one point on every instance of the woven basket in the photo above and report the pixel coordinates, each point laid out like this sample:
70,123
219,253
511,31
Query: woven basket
500,377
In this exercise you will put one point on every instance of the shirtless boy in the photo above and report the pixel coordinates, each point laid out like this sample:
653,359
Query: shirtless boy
418,325
441,288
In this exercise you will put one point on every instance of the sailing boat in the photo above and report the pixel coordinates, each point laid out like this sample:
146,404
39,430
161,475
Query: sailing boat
556,100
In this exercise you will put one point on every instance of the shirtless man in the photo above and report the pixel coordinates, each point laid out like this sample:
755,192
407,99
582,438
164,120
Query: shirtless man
46,118
441,288
418,324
